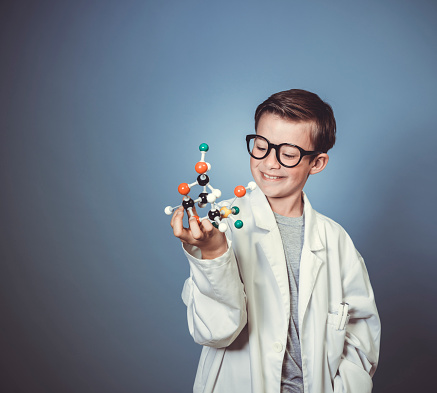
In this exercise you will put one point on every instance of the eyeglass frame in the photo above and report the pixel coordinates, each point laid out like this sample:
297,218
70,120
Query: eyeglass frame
303,152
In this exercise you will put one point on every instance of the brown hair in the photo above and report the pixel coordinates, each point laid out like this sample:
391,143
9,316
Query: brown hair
301,105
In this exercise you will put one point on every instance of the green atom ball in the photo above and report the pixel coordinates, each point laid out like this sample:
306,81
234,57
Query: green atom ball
238,224
235,210
203,147
215,224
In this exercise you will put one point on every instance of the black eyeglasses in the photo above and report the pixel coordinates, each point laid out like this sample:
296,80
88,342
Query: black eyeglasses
287,154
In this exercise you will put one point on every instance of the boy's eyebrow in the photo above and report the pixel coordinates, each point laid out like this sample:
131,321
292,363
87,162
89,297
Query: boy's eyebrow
288,142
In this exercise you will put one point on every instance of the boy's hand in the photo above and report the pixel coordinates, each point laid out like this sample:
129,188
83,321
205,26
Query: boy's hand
211,241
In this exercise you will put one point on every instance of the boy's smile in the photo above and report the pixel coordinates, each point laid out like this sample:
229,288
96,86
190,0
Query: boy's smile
283,186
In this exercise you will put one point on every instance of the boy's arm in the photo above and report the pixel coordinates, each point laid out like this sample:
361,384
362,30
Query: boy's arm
214,293
215,298
361,349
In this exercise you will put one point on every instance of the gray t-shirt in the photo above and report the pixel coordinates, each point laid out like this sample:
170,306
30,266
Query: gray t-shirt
292,234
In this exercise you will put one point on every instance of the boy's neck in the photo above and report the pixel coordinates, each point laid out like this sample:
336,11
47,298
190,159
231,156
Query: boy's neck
290,207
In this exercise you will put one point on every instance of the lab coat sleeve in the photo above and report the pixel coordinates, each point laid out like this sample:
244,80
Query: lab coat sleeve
361,349
215,298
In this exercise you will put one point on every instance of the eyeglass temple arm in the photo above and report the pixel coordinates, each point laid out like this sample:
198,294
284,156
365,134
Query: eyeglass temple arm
311,153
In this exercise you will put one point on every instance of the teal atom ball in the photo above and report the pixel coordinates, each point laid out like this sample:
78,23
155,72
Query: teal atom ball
238,224
235,210
203,147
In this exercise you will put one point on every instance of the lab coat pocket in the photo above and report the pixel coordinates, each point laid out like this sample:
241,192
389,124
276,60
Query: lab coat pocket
335,339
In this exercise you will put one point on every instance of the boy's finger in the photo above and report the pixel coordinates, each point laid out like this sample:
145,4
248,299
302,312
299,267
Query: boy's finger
196,231
184,234
207,225
178,227
192,212
180,209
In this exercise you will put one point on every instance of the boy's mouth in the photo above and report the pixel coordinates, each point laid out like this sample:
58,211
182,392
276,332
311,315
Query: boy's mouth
270,177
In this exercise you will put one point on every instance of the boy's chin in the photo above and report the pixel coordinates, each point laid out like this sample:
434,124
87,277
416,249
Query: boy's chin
271,193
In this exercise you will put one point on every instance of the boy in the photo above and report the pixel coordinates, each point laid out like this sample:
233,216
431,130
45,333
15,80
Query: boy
284,305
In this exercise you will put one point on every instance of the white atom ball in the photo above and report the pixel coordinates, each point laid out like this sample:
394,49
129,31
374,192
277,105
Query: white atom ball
211,198
222,227
251,186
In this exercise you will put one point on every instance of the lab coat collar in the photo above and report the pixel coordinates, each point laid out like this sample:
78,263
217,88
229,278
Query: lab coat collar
312,235
265,219
262,212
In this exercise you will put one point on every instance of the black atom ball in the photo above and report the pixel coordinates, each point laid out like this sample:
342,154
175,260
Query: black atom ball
203,195
188,203
212,214
203,180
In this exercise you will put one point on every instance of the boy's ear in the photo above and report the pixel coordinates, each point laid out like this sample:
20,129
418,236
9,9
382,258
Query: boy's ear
319,163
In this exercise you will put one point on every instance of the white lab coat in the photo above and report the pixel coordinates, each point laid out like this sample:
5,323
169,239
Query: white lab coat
238,308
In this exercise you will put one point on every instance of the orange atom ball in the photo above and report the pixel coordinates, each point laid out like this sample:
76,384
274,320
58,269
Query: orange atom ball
201,167
183,189
240,191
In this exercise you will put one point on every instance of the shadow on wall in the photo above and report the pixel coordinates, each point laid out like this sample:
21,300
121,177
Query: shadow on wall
403,264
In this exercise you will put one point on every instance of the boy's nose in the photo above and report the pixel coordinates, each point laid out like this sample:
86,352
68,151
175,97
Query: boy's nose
271,161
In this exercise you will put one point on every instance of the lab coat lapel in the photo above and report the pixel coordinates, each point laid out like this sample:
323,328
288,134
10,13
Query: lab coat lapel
309,263
271,244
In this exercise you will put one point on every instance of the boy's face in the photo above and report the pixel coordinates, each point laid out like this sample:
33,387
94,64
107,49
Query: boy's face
282,186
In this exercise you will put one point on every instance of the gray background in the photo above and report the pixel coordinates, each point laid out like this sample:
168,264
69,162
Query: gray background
102,107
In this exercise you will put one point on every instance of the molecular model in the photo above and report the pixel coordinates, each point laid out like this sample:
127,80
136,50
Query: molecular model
215,215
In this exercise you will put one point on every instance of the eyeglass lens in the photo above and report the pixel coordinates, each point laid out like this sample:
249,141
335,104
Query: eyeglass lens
288,155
